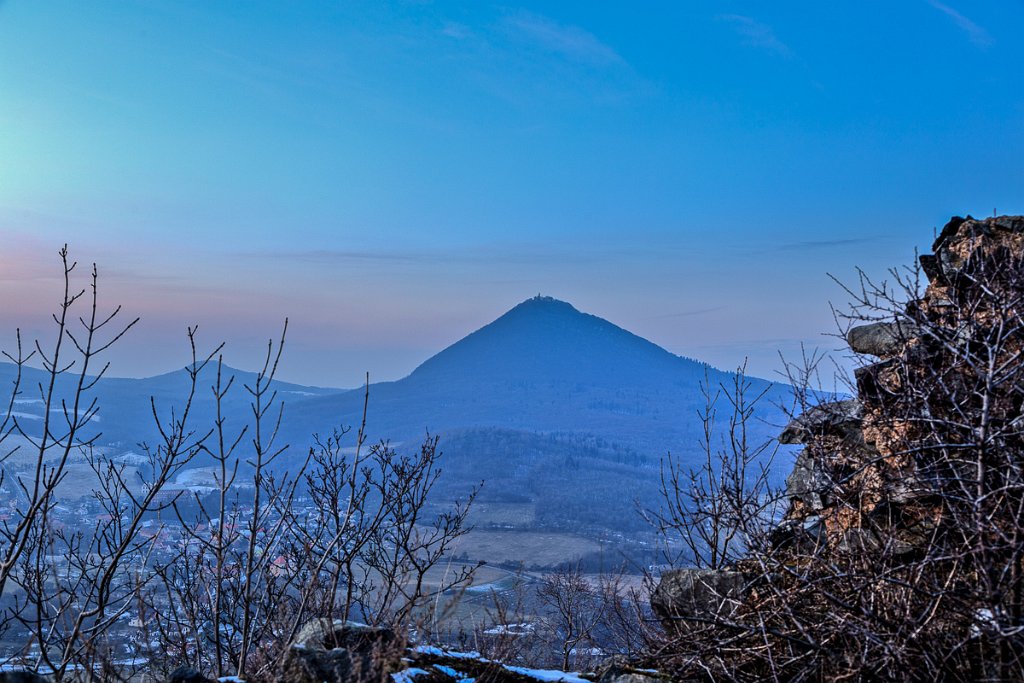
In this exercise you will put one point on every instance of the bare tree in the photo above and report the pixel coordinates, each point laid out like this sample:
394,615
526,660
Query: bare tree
725,506
71,585
248,574
576,610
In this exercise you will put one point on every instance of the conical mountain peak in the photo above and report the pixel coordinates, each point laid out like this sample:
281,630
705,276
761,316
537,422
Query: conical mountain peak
541,367
546,339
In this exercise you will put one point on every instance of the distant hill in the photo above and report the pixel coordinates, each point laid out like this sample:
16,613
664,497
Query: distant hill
125,415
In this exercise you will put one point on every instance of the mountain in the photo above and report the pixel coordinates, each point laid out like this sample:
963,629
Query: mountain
542,367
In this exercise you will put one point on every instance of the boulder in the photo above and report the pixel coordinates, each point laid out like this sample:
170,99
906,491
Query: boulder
907,488
697,594
873,381
855,541
335,651
883,339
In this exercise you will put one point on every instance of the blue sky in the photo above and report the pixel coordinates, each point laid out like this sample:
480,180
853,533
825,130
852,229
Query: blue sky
391,176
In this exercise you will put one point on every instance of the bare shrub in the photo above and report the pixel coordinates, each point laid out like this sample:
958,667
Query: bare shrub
280,540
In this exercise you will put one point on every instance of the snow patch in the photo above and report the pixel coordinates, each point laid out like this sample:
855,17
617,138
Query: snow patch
408,675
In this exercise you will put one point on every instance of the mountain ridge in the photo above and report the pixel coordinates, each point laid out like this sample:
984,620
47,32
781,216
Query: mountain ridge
543,366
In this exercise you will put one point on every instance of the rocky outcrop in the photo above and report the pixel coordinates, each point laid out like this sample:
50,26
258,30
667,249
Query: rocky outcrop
855,476
839,418
882,339
873,495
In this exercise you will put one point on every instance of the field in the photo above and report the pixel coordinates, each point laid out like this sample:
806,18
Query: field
540,548
500,514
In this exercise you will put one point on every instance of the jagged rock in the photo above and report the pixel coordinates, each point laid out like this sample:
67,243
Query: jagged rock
948,231
326,651
186,674
697,593
918,534
950,257
881,339
840,418
930,266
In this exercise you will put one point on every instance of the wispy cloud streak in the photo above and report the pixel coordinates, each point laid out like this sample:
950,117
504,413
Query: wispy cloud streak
571,42
975,33
688,314
757,34
824,244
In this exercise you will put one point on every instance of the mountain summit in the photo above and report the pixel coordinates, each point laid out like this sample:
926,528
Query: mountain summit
549,341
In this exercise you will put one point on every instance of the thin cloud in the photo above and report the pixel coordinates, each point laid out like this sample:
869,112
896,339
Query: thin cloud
571,42
757,34
824,244
690,313
977,34
341,256
455,30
